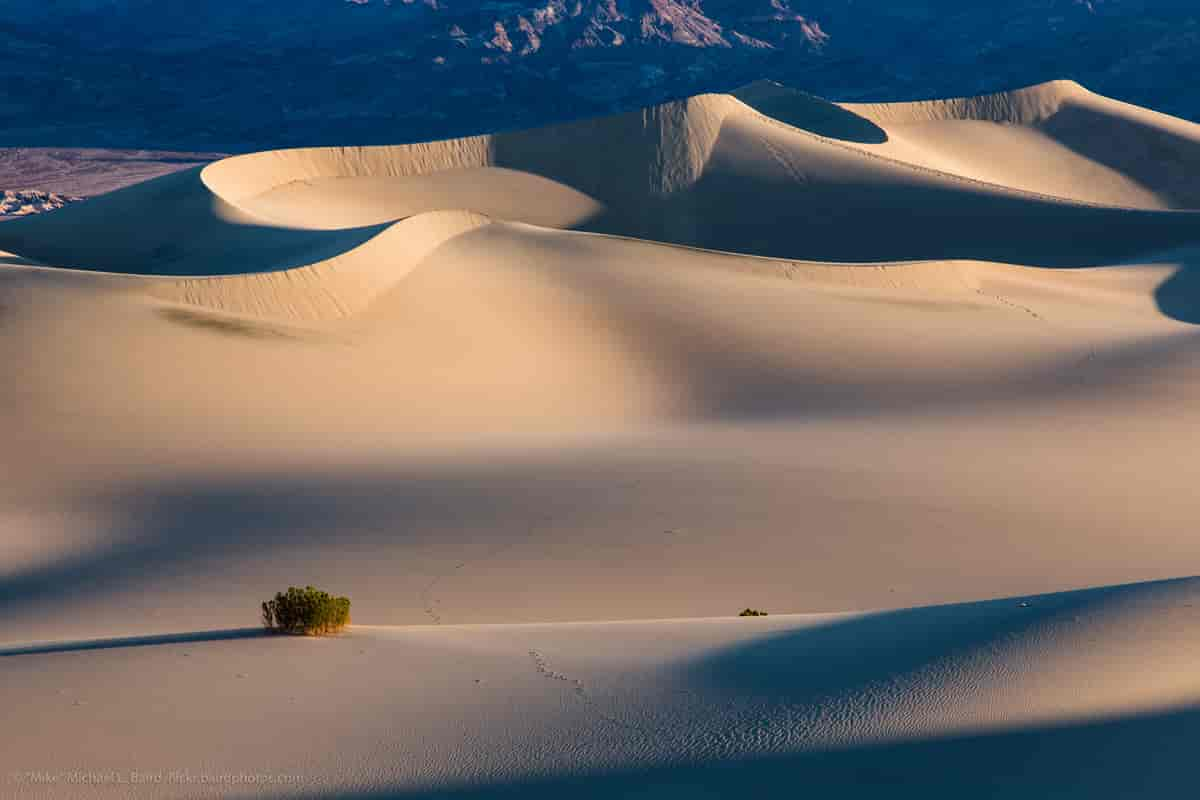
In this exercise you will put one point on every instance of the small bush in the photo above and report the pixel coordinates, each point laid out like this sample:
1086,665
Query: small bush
752,612
307,611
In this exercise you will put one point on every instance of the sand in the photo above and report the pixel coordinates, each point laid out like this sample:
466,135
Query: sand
552,406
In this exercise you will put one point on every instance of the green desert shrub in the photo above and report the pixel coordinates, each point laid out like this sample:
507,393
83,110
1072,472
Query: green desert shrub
307,611
752,612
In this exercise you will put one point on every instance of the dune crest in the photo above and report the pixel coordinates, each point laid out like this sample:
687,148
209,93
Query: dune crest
550,406
1026,106
337,287
713,171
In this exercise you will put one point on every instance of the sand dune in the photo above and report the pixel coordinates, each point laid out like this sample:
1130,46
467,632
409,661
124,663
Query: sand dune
709,172
749,349
1044,139
1043,696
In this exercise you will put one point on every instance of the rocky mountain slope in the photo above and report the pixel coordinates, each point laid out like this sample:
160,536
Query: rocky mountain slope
31,201
257,73
523,29
37,179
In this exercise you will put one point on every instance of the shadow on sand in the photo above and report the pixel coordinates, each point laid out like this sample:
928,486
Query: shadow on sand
1178,297
1140,756
41,648
810,113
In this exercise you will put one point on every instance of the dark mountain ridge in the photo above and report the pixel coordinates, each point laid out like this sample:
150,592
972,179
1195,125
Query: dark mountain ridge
245,75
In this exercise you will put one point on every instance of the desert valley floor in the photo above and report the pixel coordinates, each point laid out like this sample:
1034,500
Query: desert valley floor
922,380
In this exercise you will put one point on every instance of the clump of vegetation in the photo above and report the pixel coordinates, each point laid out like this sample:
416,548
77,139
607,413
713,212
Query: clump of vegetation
752,612
308,611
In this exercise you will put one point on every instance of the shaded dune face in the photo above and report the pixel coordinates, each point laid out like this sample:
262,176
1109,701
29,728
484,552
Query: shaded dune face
771,171
760,258
903,206
472,261
758,349
767,171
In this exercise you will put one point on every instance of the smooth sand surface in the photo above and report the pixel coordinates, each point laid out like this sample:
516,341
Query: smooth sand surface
741,350
1075,695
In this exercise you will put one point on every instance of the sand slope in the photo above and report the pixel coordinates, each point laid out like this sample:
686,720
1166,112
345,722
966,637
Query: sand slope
751,349
1070,695
710,171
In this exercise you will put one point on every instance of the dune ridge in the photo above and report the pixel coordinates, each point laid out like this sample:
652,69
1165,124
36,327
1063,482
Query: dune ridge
1026,106
688,173
337,287
551,405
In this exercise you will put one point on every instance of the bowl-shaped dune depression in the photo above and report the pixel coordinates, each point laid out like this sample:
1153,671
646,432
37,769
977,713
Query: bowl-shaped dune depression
920,380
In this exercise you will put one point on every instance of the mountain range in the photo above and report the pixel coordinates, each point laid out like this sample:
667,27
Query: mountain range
259,73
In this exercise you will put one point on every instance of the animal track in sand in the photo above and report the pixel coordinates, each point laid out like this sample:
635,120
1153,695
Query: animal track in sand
427,595
1006,302
544,669
429,604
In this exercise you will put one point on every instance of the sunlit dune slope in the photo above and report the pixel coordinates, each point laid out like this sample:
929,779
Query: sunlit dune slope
1019,177
1019,696
755,349
1056,138
452,310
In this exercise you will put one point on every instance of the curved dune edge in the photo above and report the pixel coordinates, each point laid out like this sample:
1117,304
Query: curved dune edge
1056,138
337,287
678,139
348,284
1031,105
671,142
588,404
712,172
1025,106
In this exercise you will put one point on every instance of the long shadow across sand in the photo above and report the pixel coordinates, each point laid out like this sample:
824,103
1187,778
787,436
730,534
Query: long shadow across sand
207,521
41,648
1135,757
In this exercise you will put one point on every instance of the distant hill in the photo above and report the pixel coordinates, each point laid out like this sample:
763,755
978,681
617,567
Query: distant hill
224,75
